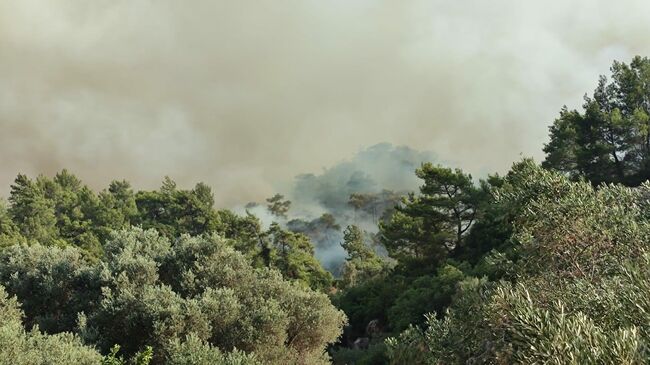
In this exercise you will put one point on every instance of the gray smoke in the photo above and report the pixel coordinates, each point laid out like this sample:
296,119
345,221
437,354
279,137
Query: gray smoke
242,95
370,171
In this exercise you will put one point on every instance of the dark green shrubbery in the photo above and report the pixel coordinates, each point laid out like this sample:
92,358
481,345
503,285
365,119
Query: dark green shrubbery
194,292
582,289
18,346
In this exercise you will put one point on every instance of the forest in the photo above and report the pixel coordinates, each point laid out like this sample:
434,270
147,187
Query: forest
547,263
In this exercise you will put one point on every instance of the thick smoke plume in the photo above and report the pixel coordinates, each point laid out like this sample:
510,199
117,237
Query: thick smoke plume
244,94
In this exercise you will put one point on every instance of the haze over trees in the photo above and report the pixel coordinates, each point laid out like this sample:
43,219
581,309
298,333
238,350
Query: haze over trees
544,264
361,191
278,206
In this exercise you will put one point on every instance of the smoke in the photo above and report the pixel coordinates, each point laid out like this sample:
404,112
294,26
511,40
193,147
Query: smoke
382,166
243,95
320,201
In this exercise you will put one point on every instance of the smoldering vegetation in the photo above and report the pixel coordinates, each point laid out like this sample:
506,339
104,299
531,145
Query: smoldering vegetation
361,191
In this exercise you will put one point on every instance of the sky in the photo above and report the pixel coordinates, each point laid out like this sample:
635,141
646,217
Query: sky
245,95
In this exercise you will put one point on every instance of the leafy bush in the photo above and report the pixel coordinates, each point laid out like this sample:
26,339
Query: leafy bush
375,354
193,351
147,291
20,347
53,284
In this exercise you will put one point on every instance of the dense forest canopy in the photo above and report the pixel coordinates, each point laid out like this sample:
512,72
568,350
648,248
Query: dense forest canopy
544,264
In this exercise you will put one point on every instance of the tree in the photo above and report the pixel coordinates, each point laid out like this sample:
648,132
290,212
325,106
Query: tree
375,205
246,235
581,293
294,257
427,228
32,212
204,194
59,211
364,202
354,244
53,284
425,294
116,209
493,227
610,140
362,262
9,232
168,186
278,206
174,211
74,205
323,232
194,351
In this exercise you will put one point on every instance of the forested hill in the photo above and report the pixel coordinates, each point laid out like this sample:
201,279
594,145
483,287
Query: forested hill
545,264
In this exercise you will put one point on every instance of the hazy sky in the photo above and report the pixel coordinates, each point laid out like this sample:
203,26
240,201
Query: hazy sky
246,94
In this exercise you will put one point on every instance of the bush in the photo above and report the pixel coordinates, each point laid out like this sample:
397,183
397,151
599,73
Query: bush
193,351
20,347
147,291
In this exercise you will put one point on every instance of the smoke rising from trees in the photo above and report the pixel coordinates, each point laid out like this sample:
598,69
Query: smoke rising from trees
323,204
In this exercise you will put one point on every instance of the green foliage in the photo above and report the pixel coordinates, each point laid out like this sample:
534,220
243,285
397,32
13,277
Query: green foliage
370,300
375,205
116,209
9,231
362,262
294,257
53,284
493,226
582,283
74,205
112,358
172,211
146,291
424,294
459,230
141,358
457,337
245,234
128,299
374,355
397,301
323,232
63,212
532,267
20,347
193,351
555,334
610,140
32,212
428,228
